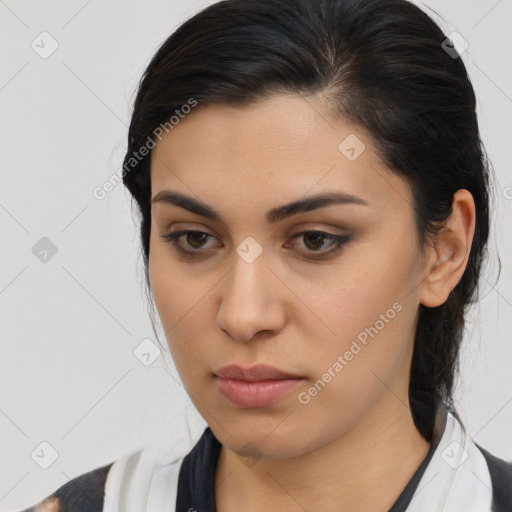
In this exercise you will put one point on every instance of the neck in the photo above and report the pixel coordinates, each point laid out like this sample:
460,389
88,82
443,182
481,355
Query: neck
365,468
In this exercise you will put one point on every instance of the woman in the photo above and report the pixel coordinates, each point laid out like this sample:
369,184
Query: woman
314,203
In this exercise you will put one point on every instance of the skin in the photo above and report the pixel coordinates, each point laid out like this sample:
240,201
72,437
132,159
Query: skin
355,442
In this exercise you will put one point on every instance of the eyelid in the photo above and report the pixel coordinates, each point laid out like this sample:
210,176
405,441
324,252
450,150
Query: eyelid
338,241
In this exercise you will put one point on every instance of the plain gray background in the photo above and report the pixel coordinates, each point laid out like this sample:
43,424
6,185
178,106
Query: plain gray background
70,324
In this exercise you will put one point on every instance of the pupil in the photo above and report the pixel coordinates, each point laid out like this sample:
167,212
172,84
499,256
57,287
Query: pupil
314,236
196,235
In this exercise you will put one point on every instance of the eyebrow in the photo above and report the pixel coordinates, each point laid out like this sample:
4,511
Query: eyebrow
274,215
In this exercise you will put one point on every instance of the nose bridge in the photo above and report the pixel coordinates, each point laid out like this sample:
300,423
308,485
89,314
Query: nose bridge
248,276
248,302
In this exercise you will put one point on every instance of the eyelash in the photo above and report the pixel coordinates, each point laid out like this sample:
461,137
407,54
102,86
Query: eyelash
338,241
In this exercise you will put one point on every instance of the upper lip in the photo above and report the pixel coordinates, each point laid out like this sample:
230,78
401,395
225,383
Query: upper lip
255,373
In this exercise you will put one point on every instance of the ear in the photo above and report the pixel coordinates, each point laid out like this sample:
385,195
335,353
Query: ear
448,257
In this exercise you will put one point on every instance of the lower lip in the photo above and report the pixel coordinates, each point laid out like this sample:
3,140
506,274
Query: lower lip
243,393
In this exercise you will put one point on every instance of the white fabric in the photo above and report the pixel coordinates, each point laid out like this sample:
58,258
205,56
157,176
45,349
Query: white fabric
143,481
456,479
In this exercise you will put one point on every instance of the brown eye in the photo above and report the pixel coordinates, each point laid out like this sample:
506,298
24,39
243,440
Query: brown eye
315,240
194,240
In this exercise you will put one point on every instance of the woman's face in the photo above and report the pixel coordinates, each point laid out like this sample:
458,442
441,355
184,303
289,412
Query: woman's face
253,288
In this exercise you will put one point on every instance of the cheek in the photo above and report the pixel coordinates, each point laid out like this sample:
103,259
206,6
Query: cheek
367,316
366,358
180,301
372,283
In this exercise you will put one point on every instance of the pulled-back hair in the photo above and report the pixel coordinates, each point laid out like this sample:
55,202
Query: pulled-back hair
379,63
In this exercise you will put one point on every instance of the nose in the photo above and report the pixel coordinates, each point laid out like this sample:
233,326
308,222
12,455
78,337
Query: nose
250,301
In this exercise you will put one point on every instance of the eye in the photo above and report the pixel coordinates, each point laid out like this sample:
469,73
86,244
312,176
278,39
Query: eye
315,240
194,239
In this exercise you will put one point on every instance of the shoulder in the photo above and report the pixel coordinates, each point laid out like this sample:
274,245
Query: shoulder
501,478
152,467
85,493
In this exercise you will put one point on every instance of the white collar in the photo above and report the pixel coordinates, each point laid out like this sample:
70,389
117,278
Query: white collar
457,477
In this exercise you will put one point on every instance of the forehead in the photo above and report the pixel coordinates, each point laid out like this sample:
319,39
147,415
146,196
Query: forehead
277,149
283,127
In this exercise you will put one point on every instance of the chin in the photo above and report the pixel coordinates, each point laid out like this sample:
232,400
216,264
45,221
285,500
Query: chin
263,438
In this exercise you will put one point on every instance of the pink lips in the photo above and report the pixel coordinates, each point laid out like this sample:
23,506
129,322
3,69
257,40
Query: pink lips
258,386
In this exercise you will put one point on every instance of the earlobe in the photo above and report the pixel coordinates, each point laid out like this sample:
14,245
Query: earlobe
448,256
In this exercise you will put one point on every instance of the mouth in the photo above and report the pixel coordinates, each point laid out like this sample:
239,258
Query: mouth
259,386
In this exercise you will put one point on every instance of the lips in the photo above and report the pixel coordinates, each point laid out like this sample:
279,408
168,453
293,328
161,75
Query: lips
259,386
255,373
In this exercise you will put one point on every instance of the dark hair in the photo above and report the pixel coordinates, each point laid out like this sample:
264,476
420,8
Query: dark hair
381,64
